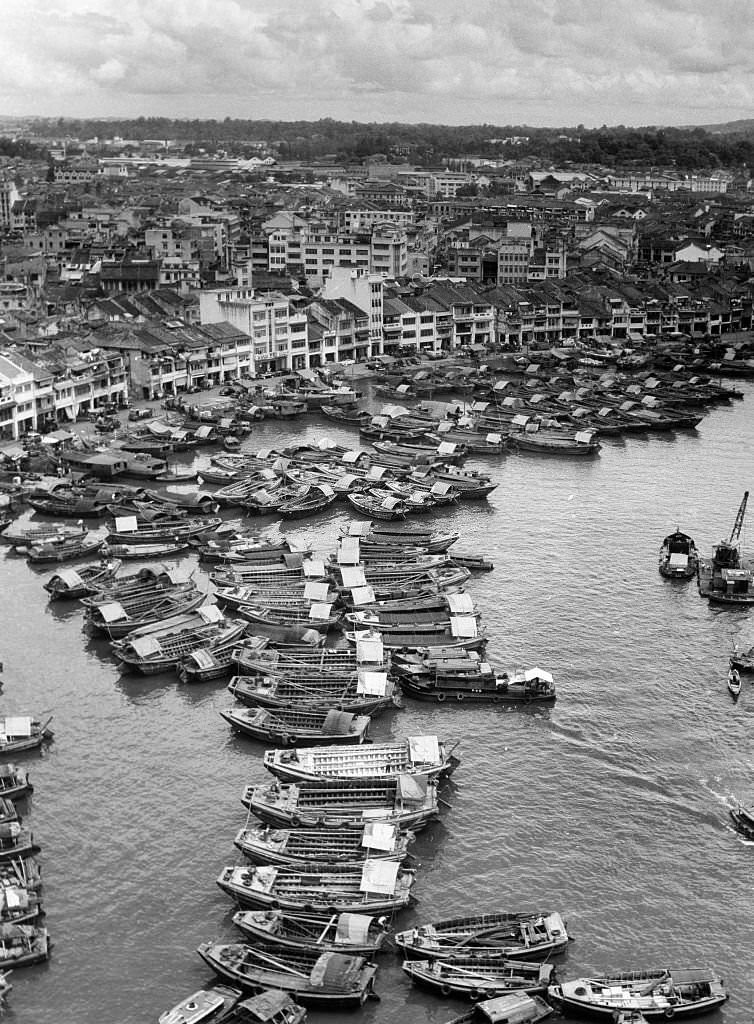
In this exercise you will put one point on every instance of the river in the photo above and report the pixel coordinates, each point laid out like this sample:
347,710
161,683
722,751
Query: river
611,806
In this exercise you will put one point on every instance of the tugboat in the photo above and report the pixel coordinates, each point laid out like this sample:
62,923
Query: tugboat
726,578
679,558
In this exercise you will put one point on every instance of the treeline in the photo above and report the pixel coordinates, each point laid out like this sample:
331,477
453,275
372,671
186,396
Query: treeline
682,148
22,149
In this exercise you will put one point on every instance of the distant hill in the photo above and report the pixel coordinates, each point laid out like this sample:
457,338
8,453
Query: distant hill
745,126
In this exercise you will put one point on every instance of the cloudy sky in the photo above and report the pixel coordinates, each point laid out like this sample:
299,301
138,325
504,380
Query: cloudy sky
539,62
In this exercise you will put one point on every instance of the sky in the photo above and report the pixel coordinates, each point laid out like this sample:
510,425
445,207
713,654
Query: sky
502,62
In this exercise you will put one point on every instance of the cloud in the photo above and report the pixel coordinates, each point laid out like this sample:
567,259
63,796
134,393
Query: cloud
498,61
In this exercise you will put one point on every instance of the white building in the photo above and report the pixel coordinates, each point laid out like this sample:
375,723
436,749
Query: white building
278,330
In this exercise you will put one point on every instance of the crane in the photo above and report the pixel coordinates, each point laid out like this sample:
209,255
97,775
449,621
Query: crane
738,525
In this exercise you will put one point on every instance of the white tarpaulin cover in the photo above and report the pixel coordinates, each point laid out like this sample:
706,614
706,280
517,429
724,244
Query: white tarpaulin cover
463,626
210,613
460,604
378,836
16,725
314,567
320,610
494,438
70,577
379,876
444,427
145,645
353,576
315,591
537,673
126,524
360,529
372,684
348,551
352,929
584,436
369,652
362,595
678,560
376,472
424,749
446,448
113,611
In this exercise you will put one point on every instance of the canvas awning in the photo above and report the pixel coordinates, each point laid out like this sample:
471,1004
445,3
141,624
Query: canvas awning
210,613
379,876
424,750
313,568
314,591
460,604
320,610
126,524
463,626
362,596
377,835
353,576
372,684
352,929
112,612
337,723
369,651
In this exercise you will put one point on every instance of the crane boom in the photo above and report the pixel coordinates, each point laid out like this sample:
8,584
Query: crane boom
738,525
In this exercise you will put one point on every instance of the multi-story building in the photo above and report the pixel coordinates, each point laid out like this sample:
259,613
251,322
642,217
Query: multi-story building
276,326
366,292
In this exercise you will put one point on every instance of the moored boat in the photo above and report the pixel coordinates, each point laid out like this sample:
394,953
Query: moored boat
292,727
69,584
661,994
417,755
370,887
679,557
528,936
480,978
358,934
406,801
207,1006
514,1008
262,844
734,682
22,732
62,550
317,979
22,945
14,782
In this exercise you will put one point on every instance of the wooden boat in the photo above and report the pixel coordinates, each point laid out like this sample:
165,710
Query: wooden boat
162,647
42,534
659,994
22,945
370,887
363,693
406,801
357,934
734,682
16,842
180,530
318,498
119,618
515,936
66,506
679,558
14,782
431,635
312,978
207,1006
216,660
480,978
194,501
450,674
62,550
546,442
387,508
146,579
289,847
176,476
743,819
417,755
277,624
20,902
8,812
301,663
139,552
743,661
477,563
69,584
344,414
22,732
292,727
514,1008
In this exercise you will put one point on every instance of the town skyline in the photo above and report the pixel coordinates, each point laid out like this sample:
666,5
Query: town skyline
541,64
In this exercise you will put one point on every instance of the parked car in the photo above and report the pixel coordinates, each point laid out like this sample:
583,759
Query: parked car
140,414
